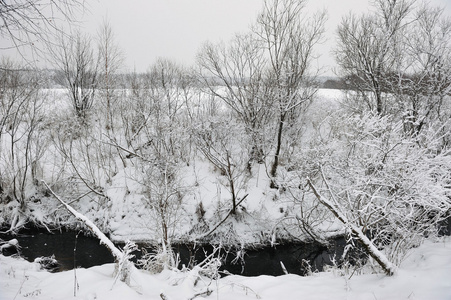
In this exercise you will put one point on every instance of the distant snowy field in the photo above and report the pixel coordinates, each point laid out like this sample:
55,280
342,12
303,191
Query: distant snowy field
425,274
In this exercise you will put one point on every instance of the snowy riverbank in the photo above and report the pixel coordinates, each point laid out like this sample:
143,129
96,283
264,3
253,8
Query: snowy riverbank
423,275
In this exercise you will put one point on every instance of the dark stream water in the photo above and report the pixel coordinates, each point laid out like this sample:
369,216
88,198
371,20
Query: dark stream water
39,243
266,260
258,261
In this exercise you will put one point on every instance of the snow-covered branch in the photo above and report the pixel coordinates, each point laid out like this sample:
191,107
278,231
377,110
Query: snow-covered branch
377,255
122,258
102,237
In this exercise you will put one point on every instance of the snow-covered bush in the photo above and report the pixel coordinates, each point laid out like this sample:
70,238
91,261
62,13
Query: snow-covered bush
155,262
124,266
48,263
163,201
221,141
20,121
394,187
12,246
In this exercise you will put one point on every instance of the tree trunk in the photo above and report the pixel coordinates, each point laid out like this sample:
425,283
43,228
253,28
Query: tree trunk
231,182
275,164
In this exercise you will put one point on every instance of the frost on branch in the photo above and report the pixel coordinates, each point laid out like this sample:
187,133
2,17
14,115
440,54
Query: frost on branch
394,187
381,259
122,258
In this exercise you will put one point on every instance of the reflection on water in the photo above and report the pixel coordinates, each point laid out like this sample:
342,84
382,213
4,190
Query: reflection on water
69,248
72,248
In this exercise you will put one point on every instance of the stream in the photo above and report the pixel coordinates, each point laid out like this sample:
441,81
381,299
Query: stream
75,249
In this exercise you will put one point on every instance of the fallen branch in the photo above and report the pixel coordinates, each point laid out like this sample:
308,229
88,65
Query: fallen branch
94,229
377,255
122,258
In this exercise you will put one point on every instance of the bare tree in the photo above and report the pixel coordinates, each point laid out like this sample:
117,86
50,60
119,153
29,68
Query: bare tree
424,82
221,142
156,137
165,79
167,87
26,23
397,61
135,108
19,121
368,50
163,199
154,106
79,71
110,60
289,37
85,161
240,68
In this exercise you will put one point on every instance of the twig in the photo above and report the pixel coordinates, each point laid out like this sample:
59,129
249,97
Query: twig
223,220
206,293
25,278
130,152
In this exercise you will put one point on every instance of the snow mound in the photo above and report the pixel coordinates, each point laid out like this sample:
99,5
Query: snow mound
423,275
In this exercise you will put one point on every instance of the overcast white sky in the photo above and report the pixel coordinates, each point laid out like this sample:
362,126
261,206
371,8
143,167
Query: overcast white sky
175,29
147,29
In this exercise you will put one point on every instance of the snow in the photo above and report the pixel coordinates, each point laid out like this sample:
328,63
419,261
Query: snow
14,243
121,214
103,239
425,274
373,251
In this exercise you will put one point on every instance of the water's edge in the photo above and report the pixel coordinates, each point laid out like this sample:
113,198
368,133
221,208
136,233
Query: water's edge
75,249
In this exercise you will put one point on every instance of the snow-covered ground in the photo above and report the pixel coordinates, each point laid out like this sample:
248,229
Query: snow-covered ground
125,215
425,274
